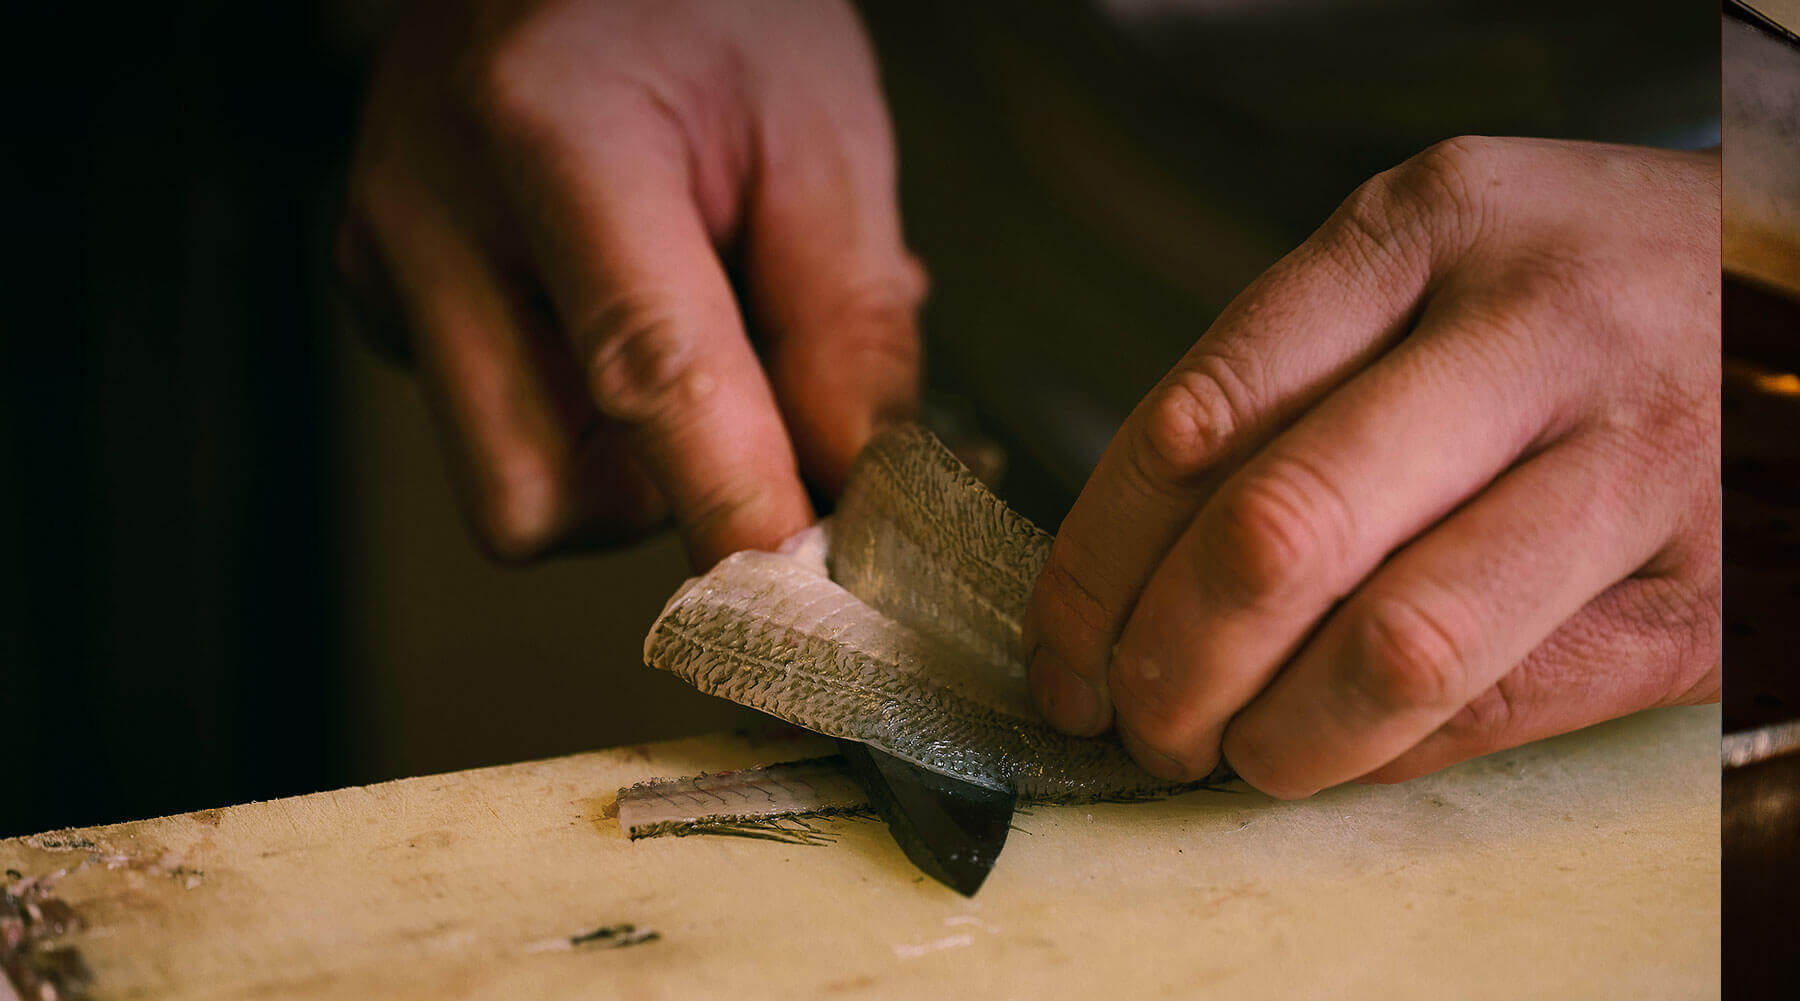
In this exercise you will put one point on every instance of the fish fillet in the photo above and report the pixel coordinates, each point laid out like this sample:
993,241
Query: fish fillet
770,803
896,623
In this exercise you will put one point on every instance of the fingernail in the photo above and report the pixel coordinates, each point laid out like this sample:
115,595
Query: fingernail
1241,754
1154,761
1066,699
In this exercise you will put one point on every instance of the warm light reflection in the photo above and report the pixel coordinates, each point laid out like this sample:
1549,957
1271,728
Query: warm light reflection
1784,383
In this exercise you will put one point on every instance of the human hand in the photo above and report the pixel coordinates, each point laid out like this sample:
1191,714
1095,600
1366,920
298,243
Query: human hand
1442,481
580,210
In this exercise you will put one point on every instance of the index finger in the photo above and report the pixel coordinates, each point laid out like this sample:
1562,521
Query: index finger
630,266
1319,315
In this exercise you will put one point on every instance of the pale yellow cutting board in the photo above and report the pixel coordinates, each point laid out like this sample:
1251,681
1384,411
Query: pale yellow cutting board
1583,867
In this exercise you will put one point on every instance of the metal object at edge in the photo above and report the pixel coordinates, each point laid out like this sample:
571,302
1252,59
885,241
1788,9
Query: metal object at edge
951,829
1747,747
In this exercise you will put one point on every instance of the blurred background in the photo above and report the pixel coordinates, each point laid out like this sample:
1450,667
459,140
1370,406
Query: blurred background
1760,798
231,566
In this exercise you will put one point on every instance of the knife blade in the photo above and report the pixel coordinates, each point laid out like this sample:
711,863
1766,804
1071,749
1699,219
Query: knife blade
951,829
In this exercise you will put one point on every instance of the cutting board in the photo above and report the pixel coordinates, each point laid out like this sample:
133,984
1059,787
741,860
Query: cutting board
1585,866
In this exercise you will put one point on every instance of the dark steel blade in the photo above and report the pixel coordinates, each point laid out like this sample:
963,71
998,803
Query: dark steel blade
952,830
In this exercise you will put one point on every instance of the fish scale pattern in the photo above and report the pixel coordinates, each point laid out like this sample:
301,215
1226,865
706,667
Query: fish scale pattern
905,635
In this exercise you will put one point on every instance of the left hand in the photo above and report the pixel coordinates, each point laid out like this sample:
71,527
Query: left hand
1442,481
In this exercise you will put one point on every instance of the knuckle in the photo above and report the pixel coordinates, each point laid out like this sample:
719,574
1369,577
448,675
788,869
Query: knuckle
492,84
1665,416
1705,620
1484,721
1681,618
1549,282
1447,177
642,370
1278,535
1193,418
1402,211
1372,218
1148,695
877,321
1697,675
1403,657
1665,433
515,89
502,85
1372,234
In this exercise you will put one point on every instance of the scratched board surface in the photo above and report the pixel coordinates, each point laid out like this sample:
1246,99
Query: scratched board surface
1584,866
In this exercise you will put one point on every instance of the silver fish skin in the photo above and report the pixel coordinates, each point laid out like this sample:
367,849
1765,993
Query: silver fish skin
897,624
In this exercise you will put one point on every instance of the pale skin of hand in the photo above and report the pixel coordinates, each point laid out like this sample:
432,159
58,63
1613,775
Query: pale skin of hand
1442,481
647,257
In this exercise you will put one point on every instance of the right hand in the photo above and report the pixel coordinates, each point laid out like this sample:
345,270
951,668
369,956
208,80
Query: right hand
558,203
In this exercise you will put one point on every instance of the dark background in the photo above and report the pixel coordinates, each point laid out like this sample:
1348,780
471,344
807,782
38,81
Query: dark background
1759,811
229,565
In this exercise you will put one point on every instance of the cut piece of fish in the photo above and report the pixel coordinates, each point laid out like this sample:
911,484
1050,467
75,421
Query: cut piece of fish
897,624
750,801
